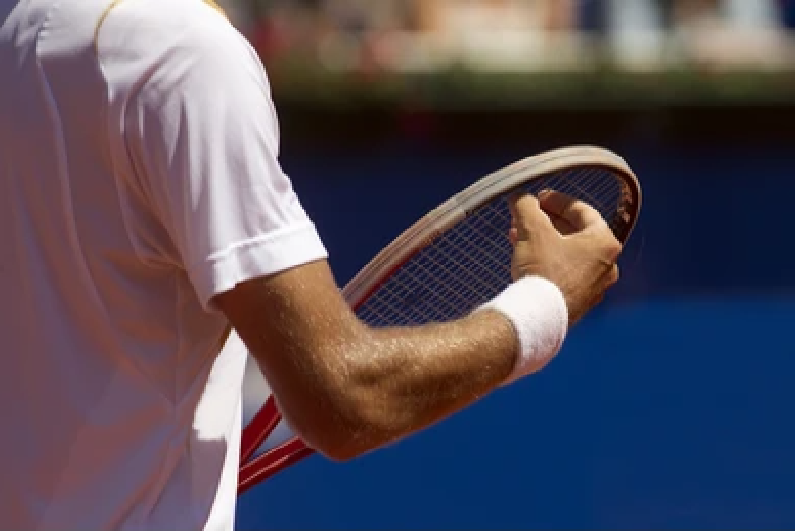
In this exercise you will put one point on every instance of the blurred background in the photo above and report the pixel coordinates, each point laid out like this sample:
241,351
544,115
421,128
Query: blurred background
670,406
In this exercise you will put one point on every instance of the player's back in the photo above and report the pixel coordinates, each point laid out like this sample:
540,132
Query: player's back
106,350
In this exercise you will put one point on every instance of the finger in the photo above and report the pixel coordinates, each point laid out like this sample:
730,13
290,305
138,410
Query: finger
578,213
561,225
611,248
527,215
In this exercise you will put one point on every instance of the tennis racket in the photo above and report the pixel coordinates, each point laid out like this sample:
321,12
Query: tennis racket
454,259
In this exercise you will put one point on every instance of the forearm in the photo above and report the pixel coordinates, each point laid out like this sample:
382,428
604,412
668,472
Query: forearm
410,378
347,388
367,387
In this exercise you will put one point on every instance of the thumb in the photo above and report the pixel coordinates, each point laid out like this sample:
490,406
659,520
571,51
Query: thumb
578,214
527,215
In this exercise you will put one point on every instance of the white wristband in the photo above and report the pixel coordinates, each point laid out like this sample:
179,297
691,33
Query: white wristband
537,309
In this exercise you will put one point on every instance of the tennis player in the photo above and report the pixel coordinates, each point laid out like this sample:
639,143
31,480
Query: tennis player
142,211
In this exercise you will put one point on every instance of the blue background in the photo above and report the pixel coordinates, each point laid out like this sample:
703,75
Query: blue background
670,406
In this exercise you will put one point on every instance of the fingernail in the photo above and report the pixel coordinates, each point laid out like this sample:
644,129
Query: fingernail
544,193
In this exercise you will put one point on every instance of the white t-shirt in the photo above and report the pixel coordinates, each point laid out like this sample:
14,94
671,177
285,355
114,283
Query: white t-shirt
138,178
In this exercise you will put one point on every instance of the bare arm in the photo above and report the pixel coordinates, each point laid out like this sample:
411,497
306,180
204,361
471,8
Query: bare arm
347,388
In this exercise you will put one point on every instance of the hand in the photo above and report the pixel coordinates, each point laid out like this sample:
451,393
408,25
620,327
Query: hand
567,242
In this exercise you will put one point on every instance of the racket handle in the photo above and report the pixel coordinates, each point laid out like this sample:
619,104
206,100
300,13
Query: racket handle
537,310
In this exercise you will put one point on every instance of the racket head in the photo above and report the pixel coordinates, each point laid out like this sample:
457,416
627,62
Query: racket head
454,258
458,255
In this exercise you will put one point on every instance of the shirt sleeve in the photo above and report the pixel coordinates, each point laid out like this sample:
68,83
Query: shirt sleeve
203,132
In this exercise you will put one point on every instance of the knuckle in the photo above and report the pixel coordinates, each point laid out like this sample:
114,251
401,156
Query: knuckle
522,196
586,209
525,203
612,248
577,207
613,276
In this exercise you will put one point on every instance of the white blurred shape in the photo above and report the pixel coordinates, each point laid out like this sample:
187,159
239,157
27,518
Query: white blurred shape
256,392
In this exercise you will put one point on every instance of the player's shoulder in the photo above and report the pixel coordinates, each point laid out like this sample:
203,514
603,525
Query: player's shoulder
138,36
163,17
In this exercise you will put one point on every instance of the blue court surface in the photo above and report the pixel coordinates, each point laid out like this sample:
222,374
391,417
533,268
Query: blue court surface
670,407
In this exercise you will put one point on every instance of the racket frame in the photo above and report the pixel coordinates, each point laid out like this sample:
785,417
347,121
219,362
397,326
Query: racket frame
416,238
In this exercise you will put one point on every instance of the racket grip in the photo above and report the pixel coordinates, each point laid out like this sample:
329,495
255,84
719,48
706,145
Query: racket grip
537,310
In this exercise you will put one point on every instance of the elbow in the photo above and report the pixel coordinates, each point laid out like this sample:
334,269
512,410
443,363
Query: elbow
346,417
348,428
338,433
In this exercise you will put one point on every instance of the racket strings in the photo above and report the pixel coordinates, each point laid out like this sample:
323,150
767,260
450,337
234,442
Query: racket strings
469,264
